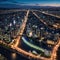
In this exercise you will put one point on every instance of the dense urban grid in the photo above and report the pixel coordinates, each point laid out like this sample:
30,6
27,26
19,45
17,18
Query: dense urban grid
35,34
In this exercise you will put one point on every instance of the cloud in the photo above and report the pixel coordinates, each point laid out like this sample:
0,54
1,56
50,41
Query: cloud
36,3
56,5
50,4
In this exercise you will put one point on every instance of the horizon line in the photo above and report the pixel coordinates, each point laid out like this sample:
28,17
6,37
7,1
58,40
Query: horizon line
33,4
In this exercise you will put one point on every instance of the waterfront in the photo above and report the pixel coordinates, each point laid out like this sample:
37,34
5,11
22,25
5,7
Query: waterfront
11,55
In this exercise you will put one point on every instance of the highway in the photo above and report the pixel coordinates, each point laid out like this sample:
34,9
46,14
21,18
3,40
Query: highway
50,14
56,26
29,55
43,12
53,26
22,29
54,51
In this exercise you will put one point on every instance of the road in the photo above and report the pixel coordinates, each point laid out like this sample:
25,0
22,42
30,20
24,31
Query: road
53,26
43,12
50,14
54,51
22,29
30,55
56,26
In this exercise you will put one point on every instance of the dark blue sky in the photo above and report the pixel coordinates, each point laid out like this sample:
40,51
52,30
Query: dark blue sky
39,2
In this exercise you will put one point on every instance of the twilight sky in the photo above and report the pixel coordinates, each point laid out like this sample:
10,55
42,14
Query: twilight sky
33,2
